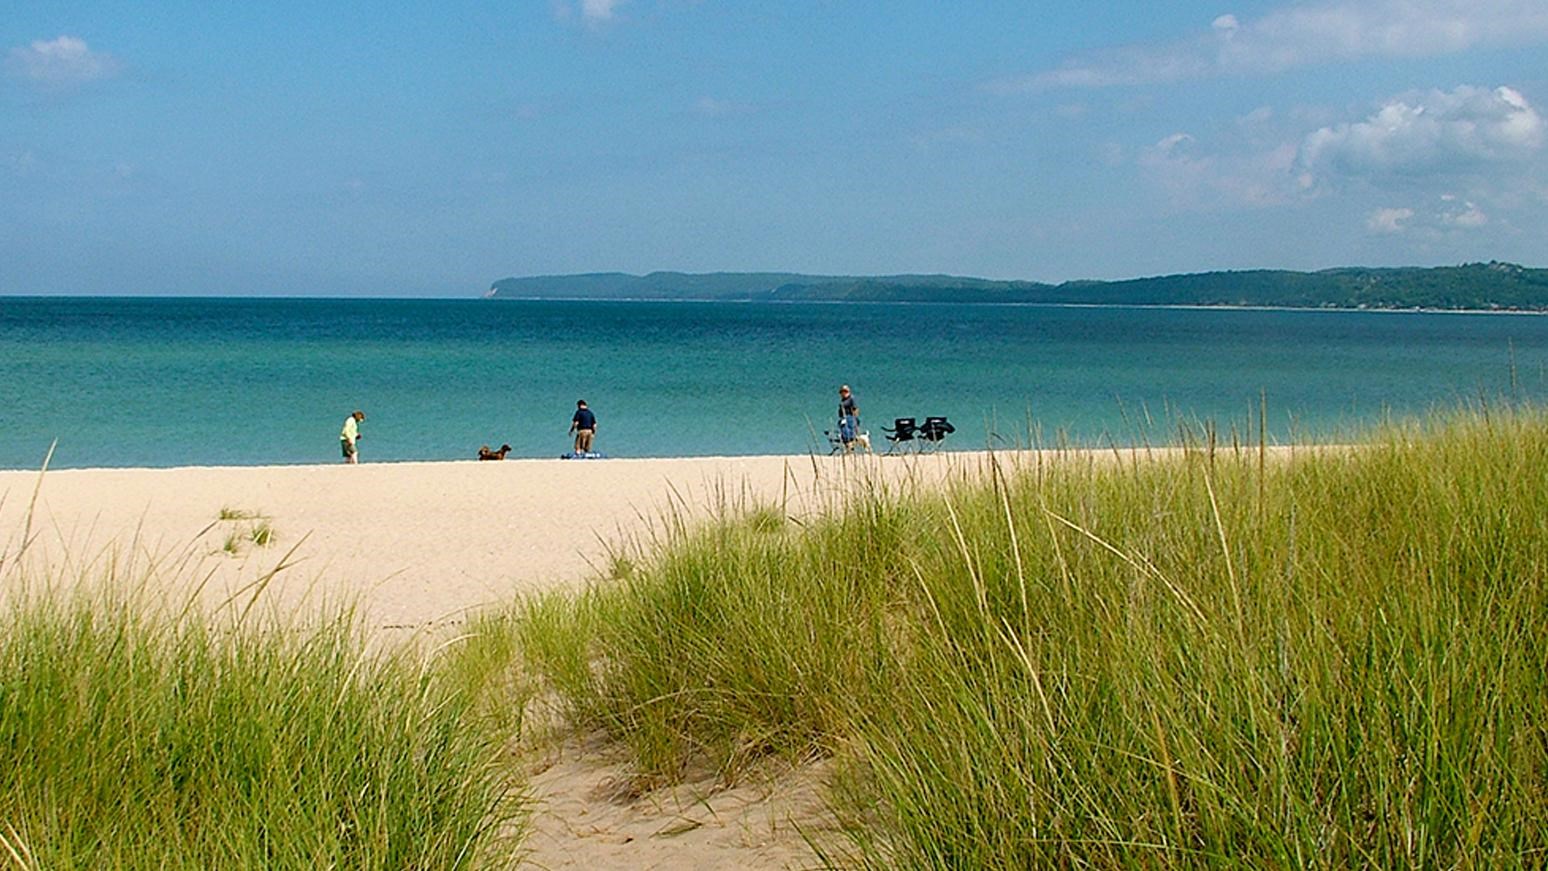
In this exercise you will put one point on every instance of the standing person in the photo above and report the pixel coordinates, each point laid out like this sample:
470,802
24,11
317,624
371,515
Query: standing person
849,417
584,424
349,435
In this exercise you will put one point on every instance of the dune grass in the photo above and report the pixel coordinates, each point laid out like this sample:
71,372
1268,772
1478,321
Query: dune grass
261,533
247,528
228,512
133,736
1334,658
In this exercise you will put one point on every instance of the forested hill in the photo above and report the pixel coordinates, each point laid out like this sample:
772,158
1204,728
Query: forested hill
1471,286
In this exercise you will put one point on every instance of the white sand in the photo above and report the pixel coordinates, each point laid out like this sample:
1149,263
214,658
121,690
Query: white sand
413,544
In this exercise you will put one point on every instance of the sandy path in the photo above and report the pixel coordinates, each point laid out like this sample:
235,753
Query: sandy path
588,817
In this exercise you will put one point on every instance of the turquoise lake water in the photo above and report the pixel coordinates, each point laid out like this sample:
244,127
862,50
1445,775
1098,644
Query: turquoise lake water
168,382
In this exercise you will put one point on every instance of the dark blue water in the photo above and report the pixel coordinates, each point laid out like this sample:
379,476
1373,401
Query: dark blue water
161,382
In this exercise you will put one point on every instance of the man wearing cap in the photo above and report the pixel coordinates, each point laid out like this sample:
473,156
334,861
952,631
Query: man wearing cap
849,418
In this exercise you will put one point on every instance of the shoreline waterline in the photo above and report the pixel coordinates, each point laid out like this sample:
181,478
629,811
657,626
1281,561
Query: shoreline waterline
633,300
967,456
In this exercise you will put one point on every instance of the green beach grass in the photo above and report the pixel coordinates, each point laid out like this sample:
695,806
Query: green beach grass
1329,658
133,736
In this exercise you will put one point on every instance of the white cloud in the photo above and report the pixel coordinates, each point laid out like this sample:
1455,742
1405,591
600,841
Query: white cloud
599,10
1433,132
591,11
65,62
1388,221
1452,158
1301,35
1447,217
1467,216
1470,218
1454,170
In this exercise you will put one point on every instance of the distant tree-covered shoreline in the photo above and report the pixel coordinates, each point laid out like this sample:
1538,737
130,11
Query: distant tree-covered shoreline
1473,286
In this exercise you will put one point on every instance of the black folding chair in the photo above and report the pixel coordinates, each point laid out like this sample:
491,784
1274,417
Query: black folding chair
835,441
934,430
901,433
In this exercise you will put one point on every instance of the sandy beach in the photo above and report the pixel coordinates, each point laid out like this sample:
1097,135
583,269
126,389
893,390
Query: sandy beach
412,544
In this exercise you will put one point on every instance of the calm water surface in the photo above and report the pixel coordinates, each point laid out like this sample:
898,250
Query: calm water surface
165,382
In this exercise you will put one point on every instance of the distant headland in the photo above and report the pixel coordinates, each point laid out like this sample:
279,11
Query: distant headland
1471,286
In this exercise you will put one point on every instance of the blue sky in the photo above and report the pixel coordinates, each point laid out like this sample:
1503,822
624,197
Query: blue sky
426,150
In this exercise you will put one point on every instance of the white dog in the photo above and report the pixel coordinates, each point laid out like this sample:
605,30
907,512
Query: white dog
861,441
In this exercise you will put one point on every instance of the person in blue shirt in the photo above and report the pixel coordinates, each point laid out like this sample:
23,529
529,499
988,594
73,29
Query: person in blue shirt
584,424
849,418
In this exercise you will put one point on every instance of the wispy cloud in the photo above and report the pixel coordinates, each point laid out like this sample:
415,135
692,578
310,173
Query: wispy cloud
1388,221
589,11
60,64
22,163
599,10
1468,217
1197,176
715,108
1300,35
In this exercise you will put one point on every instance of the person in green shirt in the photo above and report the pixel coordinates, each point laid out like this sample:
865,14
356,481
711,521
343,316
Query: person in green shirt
349,435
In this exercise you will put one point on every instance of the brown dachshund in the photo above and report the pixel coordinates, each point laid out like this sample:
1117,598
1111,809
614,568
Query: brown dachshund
484,453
